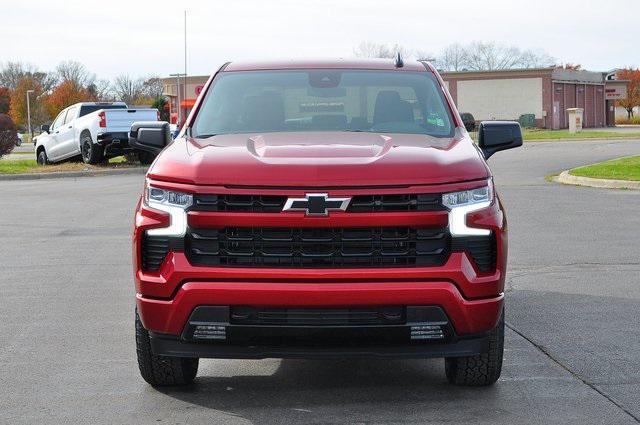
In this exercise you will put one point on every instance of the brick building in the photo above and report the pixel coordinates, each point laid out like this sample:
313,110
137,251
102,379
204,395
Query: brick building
544,92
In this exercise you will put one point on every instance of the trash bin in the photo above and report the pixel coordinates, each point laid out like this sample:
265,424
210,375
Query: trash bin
575,119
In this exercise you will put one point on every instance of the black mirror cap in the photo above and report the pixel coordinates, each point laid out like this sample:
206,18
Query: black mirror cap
494,136
44,128
150,136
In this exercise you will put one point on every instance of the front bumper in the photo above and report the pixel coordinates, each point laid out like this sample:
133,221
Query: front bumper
255,333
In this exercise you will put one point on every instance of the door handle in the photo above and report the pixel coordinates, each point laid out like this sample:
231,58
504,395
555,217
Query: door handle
70,126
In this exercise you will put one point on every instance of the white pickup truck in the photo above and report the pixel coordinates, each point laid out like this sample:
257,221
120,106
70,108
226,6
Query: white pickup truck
93,130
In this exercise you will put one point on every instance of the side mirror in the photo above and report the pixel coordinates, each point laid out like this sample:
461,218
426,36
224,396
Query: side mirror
150,136
494,136
44,128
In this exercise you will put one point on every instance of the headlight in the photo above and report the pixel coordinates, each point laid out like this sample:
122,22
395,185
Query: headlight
172,202
464,202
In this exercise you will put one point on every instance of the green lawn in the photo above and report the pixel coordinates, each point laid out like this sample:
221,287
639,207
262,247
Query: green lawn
20,166
618,169
533,134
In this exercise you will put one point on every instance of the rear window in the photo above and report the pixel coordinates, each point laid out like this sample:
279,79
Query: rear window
324,100
87,109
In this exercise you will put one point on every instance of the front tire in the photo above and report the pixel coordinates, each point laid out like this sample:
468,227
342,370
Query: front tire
91,153
483,369
161,371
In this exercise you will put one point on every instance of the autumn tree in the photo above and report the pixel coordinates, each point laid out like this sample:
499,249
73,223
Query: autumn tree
18,101
5,98
65,94
633,89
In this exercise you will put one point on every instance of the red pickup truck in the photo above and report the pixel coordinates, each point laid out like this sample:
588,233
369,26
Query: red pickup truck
321,209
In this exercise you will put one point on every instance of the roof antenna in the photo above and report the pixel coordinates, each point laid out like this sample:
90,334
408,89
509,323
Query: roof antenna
398,60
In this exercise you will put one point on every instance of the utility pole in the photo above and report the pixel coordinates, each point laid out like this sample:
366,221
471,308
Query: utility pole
178,75
29,114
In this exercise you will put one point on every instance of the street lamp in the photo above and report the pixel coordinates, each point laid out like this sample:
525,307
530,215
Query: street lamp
179,120
29,114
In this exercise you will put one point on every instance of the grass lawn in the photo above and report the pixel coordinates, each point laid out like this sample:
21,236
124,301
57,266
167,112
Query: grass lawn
618,169
533,134
20,166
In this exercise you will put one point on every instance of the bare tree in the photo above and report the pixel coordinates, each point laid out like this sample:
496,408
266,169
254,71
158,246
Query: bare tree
13,72
453,58
489,56
75,72
101,90
152,87
369,49
536,59
127,89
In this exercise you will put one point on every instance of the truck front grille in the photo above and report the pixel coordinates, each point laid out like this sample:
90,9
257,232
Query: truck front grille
359,204
317,247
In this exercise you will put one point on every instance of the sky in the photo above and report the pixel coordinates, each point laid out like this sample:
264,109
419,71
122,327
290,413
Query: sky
143,38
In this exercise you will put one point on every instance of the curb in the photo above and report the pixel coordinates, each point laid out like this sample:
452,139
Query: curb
566,178
65,174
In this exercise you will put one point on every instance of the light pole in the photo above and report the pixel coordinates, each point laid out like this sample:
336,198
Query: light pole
178,75
29,114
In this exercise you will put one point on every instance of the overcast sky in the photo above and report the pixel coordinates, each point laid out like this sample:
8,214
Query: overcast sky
142,37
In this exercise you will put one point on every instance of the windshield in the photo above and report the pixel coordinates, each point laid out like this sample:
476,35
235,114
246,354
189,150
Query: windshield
324,100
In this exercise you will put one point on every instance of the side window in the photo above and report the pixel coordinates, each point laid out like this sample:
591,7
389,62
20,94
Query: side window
71,115
59,120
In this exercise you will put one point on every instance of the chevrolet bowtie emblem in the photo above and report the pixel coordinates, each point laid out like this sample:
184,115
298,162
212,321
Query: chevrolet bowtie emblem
316,204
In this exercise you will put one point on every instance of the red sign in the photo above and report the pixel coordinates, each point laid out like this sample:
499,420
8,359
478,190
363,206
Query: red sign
199,89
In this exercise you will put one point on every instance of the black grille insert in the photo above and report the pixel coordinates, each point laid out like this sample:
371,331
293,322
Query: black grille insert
359,203
317,247
317,317
154,250
481,248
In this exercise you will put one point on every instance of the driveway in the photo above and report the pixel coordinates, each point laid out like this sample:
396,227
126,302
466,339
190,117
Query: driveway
572,348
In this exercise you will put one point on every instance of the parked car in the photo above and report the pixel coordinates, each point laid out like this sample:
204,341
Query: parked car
321,209
19,139
93,130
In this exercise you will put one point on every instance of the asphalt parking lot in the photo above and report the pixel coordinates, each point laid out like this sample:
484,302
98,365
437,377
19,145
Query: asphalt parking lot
573,312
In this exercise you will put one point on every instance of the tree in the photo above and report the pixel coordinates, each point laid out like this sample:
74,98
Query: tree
13,72
75,72
7,135
5,98
65,94
127,89
453,58
369,49
160,103
489,56
101,90
18,101
633,89
152,87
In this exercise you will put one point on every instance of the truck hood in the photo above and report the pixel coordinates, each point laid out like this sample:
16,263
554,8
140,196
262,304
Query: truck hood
320,159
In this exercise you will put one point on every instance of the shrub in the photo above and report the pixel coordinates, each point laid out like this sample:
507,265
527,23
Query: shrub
633,120
8,135
468,120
